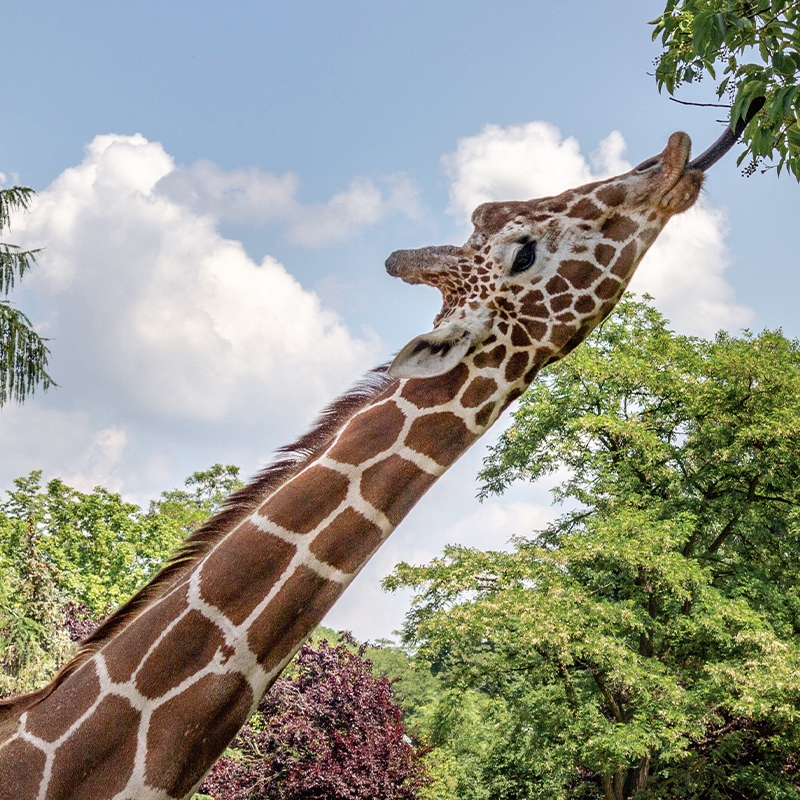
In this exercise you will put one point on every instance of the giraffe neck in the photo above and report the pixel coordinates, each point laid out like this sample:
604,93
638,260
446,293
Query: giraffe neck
152,708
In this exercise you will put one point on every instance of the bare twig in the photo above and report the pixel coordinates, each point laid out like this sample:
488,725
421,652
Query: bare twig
710,105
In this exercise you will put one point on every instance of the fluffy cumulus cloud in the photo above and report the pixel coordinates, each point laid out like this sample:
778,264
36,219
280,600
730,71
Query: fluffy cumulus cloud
145,291
254,196
684,269
157,320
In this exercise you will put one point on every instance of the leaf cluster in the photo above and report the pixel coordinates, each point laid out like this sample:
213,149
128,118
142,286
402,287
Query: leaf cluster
751,48
648,640
68,557
330,729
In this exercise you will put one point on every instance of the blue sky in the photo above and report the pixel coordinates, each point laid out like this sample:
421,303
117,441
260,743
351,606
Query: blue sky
211,282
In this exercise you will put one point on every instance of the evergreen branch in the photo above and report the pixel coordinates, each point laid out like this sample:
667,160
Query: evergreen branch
17,198
23,356
14,263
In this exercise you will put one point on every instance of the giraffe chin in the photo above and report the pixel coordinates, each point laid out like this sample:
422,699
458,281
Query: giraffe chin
683,195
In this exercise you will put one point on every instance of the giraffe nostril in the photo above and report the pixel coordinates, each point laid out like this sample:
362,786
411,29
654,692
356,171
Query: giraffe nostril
649,164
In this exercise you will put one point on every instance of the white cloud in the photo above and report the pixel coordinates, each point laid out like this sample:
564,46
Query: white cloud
684,270
155,313
254,196
97,465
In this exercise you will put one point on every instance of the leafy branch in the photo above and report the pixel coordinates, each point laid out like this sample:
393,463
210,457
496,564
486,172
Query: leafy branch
751,48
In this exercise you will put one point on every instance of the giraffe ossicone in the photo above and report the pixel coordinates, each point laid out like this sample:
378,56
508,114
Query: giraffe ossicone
155,695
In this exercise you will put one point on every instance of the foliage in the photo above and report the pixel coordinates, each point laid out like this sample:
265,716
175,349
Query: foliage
647,640
23,353
329,730
204,494
68,557
756,45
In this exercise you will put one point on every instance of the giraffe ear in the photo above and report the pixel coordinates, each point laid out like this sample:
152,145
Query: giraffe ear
433,353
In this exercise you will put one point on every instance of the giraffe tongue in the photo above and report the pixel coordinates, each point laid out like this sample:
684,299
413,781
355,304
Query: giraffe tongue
728,139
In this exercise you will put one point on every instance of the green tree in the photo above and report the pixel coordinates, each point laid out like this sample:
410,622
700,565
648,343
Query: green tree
23,353
60,547
646,643
751,49
204,494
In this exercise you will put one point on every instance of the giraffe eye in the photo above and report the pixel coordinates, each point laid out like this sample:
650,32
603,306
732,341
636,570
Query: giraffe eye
524,258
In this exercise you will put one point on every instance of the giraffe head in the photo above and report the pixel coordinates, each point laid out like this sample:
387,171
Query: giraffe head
538,276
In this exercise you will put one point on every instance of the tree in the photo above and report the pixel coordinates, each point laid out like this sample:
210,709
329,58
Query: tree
23,353
649,640
205,492
755,47
68,557
328,730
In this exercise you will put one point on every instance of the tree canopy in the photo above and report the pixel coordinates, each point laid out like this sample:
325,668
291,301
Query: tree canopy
68,557
23,353
751,49
329,729
648,640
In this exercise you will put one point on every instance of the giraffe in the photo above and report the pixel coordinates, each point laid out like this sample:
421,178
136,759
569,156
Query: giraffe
156,693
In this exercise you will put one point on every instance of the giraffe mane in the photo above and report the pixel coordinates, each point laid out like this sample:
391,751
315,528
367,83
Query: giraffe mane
290,459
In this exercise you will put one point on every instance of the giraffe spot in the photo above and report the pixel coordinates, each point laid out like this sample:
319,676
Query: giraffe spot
584,304
537,330
519,338
188,647
619,228
517,364
567,316
585,209
604,253
478,391
478,259
648,236
242,569
348,541
126,650
442,436
369,433
484,415
561,334
513,395
490,358
607,288
305,501
581,274
65,706
531,373
293,613
576,339
556,285
560,302
556,206
530,308
491,339
502,327
624,263
432,392
394,486
612,195
579,248
191,730
95,762
21,771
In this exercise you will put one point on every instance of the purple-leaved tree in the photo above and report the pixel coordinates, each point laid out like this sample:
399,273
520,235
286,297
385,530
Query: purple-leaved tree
330,730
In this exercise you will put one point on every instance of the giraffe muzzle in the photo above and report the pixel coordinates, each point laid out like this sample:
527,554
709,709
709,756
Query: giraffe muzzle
424,265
